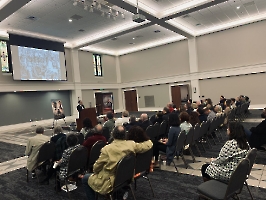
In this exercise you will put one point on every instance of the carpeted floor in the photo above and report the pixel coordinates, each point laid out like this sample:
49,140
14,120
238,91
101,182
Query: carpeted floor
166,185
10,151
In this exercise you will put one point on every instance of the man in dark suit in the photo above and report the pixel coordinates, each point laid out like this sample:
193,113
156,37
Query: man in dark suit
144,121
166,113
80,106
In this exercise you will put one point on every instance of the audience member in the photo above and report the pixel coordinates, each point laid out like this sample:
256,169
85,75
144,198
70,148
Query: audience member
176,111
183,108
144,121
238,102
169,144
102,180
159,117
32,149
194,118
87,127
233,103
211,115
189,108
170,107
110,124
58,133
209,104
227,110
184,120
165,114
132,122
202,115
218,109
137,134
124,119
222,100
257,135
97,135
231,153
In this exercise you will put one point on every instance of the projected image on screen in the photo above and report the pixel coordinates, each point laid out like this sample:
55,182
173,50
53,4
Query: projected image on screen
39,64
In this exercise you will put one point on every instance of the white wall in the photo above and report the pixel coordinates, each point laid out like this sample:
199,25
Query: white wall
235,47
163,61
249,85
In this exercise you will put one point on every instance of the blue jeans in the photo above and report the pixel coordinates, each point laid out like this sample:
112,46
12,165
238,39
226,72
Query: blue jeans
89,191
248,133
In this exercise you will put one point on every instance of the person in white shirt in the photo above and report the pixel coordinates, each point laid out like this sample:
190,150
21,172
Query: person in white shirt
124,119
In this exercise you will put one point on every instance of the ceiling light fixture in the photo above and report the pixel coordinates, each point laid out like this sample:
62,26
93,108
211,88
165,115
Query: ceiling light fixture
133,38
70,20
238,7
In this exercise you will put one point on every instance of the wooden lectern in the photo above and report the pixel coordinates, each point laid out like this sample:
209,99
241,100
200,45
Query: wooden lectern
86,113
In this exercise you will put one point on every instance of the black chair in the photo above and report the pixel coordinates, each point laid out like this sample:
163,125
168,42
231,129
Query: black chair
124,175
106,133
80,138
142,169
46,153
189,142
163,127
157,130
217,190
251,156
95,153
77,162
152,119
196,138
203,133
150,131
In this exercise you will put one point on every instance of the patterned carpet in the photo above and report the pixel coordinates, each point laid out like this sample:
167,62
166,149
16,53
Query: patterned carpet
10,151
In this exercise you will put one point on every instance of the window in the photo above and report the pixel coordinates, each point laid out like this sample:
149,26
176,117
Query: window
97,65
4,56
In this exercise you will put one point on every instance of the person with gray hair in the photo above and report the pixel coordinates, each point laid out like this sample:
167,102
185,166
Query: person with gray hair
124,119
102,179
144,121
32,149
132,122
58,133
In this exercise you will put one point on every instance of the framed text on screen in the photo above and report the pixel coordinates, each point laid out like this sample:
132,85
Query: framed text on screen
97,65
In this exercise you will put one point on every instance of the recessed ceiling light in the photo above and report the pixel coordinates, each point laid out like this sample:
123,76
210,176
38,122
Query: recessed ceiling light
133,38
131,43
157,31
238,7
70,20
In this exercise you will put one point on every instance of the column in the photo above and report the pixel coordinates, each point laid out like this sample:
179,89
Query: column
120,92
193,63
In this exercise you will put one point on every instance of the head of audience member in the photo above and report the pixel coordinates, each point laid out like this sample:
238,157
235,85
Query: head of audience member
209,106
184,117
189,101
174,107
39,130
237,98
206,110
98,129
242,98
144,117
132,119
218,109
194,118
165,110
227,103
221,97
194,106
72,140
137,134
125,113
80,102
200,110
159,114
246,98
183,108
173,120
208,101
236,131
233,100
87,123
169,105
109,115
263,114
119,133
57,130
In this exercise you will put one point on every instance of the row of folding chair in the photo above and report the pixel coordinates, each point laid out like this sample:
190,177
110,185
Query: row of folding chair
157,130
239,113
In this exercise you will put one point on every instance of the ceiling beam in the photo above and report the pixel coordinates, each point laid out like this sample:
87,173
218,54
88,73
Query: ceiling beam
12,7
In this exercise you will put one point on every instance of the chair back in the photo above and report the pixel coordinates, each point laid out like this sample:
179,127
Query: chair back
163,128
152,119
213,124
89,133
124,172
80,138
95,152
151,132
143,161
180,141
203,128
156,129
77,160
251,156
189,138
106,133
46,152
238,178
196,132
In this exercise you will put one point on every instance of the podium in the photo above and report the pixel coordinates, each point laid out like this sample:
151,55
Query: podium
86,113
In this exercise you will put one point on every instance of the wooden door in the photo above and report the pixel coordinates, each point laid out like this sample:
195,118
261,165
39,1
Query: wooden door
176,95
99,103
131,100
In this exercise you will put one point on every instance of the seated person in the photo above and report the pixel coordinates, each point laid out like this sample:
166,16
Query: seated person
218,110
110,124
257,135
102,180
166,113
232,152
202,115
263,114
97,135
168,145
72,142
32,149
87,127
159,117
210,114
170,107
189,108
132,122
184,120
58,133
144,121
194,118
124,119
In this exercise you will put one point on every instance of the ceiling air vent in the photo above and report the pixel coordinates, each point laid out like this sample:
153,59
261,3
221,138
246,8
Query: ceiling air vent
198,24
186,16
32,18
157,31
252,3
76,17
81,30
114,38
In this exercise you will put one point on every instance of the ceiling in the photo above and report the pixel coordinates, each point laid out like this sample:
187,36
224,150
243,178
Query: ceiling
112,31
